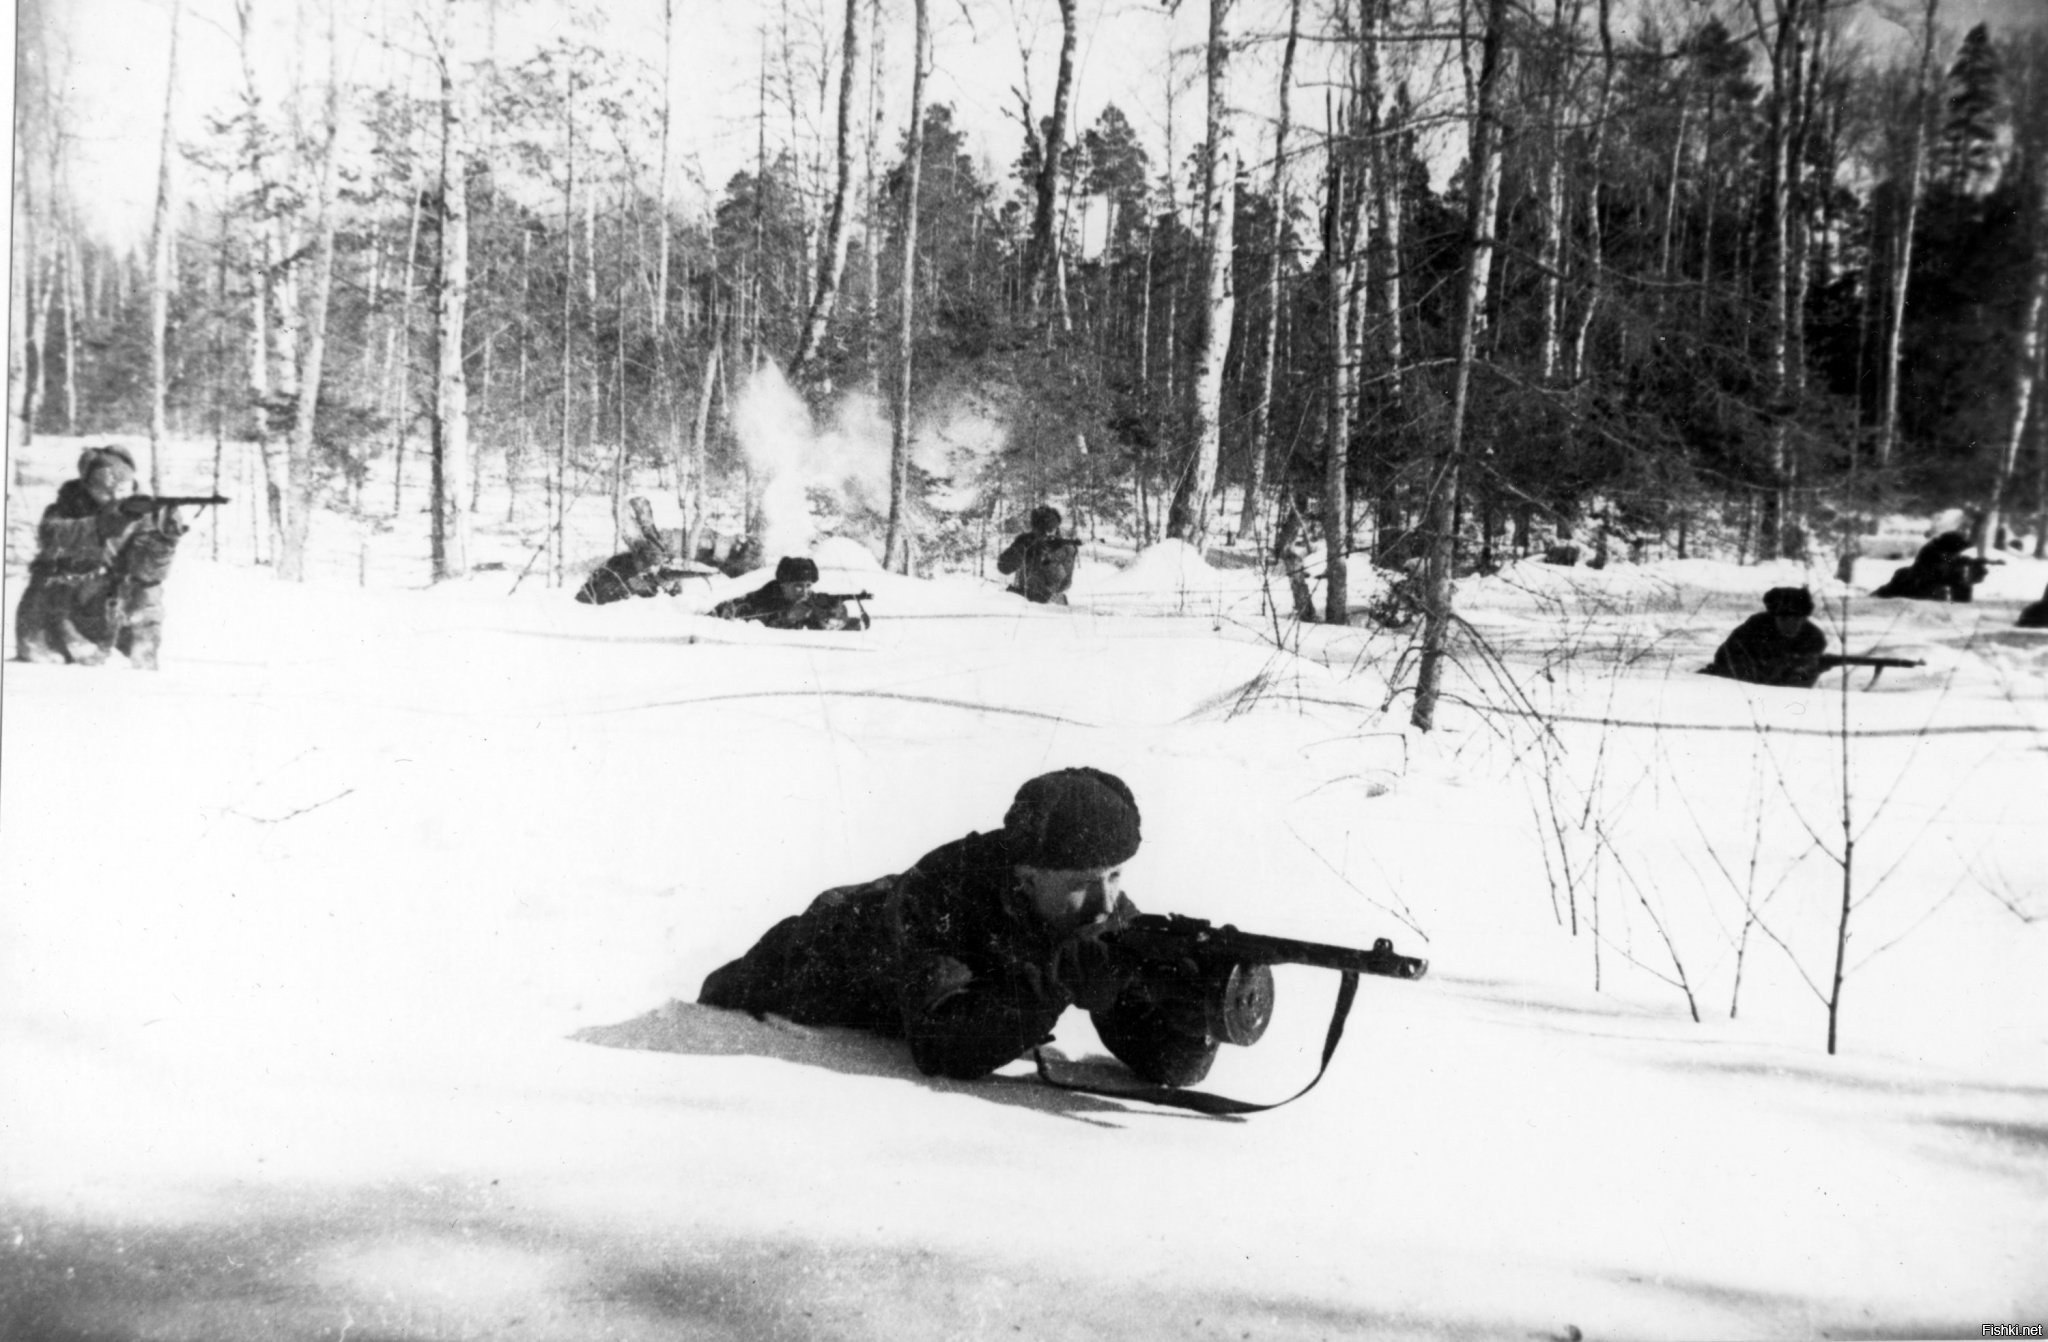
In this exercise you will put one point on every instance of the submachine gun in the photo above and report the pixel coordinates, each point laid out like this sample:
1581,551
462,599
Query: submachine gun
1217,983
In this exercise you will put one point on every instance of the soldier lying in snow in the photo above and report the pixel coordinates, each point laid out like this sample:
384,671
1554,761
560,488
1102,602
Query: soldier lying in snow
792,601
643,571
973,954
1781,646
102,555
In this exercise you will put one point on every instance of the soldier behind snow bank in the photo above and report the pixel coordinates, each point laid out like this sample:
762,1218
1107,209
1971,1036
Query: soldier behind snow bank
1939,572
1779,647
102,553
973,954
1041,559
790,601
2036,615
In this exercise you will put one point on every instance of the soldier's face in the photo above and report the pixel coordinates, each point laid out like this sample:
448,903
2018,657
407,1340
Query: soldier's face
1789,625
794,592
1068,898
104,484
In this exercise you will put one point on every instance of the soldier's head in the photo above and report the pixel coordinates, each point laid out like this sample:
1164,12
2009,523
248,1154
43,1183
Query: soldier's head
1045,519
1789,608
108,472
1070,833
797,574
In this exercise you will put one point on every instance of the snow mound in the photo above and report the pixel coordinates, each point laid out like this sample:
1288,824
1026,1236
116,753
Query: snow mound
843,552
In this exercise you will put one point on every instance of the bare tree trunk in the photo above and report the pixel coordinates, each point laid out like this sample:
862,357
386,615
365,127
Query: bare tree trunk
160,265
1778,273
1902,243
1189,519
839,224
20,422
451,285
873,250
896,548
1338,262
299,466
1482,204
1596,239
1262,402
1040,253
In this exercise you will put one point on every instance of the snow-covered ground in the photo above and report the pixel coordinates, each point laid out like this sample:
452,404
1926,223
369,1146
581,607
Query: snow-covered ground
346,965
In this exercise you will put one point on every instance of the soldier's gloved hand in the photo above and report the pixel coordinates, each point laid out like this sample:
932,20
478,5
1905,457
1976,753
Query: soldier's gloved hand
1089,969
137,505
114,520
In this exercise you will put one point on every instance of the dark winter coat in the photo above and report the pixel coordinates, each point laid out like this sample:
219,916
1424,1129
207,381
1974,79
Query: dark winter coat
1940,572
95,583
633,573
1758,653
2036,615
1043,565
771,608
947,955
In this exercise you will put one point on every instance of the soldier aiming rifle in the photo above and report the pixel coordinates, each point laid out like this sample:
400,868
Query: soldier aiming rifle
792,601
974,953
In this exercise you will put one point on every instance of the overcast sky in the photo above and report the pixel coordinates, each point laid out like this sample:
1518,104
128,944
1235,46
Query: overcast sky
1129,49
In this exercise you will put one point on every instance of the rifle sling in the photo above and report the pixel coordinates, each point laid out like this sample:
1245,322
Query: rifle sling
1202,1102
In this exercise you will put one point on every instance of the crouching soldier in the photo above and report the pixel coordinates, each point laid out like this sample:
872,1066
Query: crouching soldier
102,553
1041,560
791,601
1939,572
1779,647
973,954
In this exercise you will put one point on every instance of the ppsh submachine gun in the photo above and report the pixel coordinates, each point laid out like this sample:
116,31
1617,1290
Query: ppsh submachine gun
1217,983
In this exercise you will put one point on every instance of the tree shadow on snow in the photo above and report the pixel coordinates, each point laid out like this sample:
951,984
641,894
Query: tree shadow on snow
701,1031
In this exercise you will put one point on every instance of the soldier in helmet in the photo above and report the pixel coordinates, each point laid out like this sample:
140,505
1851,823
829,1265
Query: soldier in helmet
64,614
974,953
1041,559
790,601
1782,646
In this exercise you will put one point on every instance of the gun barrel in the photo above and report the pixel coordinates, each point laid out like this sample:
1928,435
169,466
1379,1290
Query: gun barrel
1254,948
189,500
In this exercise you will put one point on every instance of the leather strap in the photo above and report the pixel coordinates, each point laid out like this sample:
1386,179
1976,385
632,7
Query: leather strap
1202,1102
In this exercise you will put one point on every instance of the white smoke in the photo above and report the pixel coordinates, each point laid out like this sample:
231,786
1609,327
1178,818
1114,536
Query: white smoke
790,456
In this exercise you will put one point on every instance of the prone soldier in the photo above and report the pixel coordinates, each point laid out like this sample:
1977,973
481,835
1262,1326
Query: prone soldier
1781,646
2035,616
791,601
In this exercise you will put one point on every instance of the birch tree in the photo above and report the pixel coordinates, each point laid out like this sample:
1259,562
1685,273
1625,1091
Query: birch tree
1902,238
896,546
299,466
1189,516
1041,252
1482,203
451,284
160,262
839,223
1262,395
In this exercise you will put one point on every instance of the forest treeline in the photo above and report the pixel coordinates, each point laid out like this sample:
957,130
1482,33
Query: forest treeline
1451,280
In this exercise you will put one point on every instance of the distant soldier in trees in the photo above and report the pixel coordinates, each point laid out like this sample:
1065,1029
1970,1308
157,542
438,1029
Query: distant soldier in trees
2036,615
1781,646
1940,572
791,601
102,553
975,952
1041,560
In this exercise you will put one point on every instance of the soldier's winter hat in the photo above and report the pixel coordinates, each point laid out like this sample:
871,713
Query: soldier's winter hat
113,454
1073,820
796,568
1789,601
1045,517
